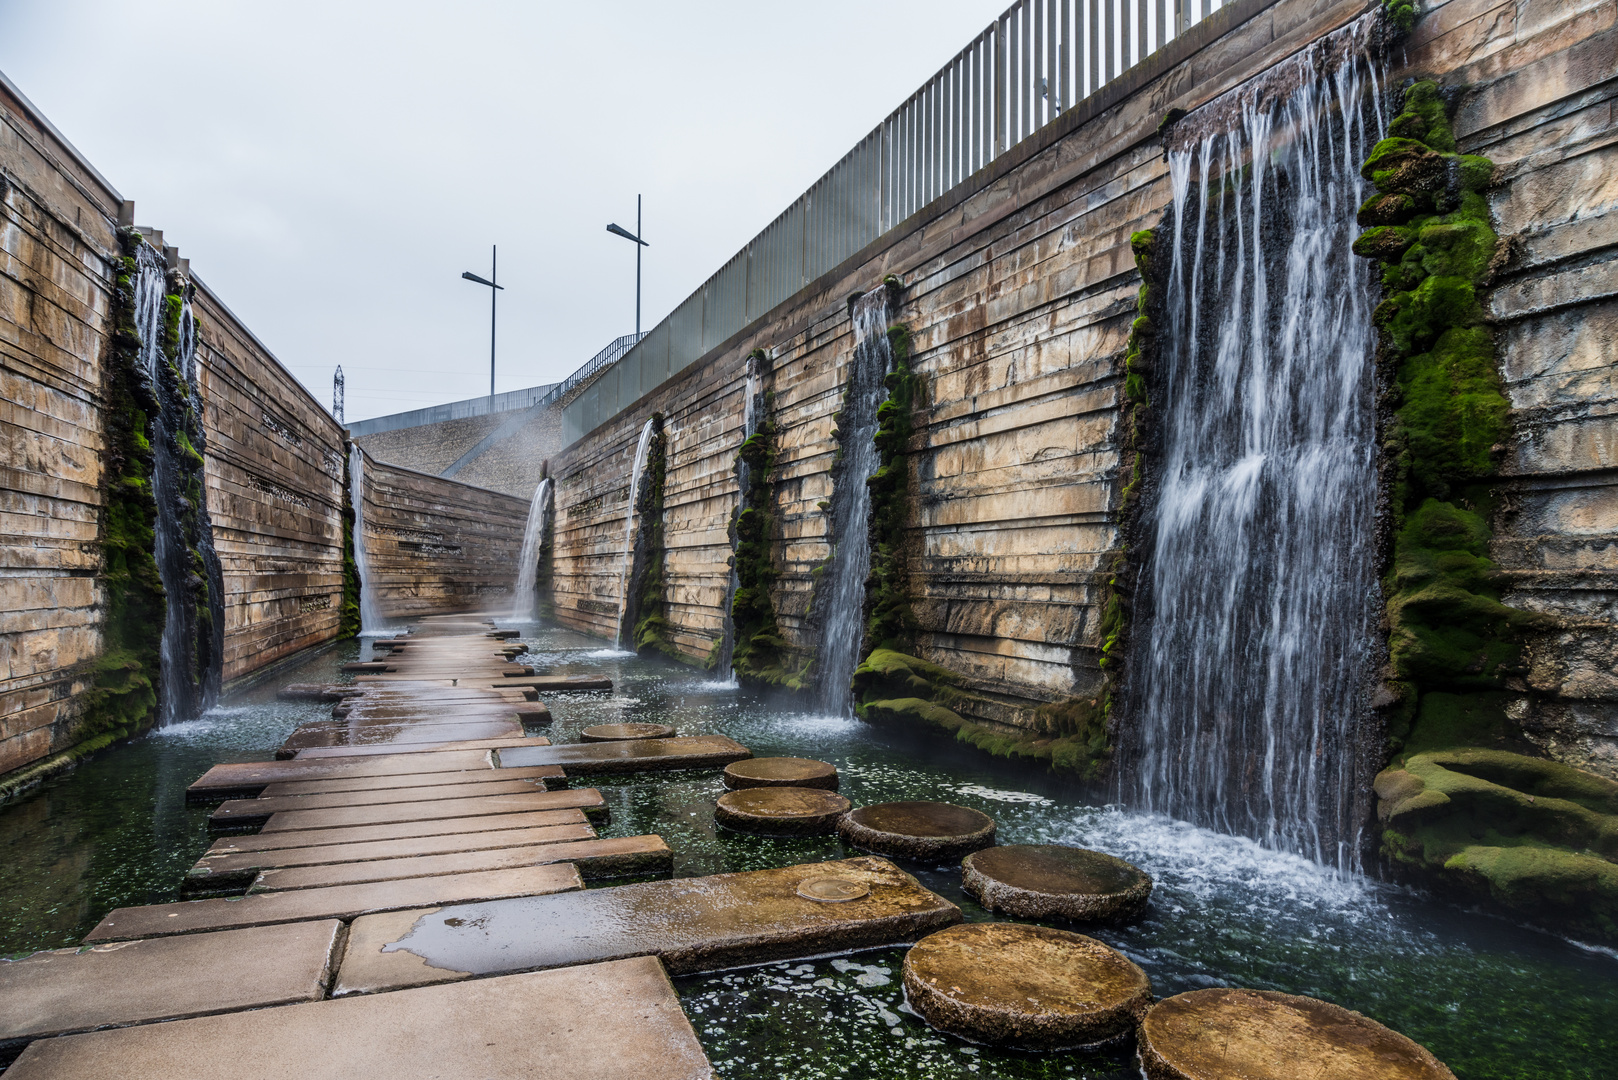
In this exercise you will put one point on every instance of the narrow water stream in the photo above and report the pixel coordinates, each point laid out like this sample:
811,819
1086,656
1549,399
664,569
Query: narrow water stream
1490,999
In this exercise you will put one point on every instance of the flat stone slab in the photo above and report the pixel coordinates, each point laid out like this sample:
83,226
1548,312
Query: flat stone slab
399,830
244,812
924,831
1025,986
781,811
615,732
631,755
595,858
588,800
1264,1035
555,682
367,667
1042,881
317,692
66,990
317,753
333,734
693,924
225,868
781,772
553,775
618,1021
251,777
339,902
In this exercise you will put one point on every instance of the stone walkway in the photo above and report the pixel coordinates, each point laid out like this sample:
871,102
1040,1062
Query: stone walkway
423,836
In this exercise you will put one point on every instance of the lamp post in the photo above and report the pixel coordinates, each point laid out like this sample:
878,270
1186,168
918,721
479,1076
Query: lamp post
619,230
493,291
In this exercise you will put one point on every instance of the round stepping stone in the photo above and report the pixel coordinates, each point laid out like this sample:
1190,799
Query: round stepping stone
924,831
1042,881
1264,1035
781,772
1029,987
781,811
618,732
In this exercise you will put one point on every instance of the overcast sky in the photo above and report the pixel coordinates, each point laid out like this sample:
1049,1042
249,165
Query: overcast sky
331,167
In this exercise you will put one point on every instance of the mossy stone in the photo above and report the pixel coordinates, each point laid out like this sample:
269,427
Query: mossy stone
781,772
1222,1034
924,831
620,732
1043,881
1030,987
781,811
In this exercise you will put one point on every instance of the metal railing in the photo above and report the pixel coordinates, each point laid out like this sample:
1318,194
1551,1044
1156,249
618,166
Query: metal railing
1038,59
600,360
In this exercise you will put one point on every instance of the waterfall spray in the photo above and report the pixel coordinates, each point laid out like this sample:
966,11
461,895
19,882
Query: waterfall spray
526,593
751,407
1259,598
370,612
842,630
641,450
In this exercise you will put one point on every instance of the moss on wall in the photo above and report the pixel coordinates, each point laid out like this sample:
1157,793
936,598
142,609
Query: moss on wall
651,624
348,622
889,622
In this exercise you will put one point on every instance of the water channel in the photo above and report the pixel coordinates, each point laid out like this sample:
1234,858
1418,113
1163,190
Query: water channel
1490,999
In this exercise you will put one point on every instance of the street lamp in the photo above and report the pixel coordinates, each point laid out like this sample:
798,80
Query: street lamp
619,230
493,289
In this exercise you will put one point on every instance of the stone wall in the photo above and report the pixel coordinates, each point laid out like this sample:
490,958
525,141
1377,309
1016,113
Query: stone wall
1019,289
439,545
513,463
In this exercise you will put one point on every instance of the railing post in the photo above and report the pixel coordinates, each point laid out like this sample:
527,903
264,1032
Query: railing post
1000,81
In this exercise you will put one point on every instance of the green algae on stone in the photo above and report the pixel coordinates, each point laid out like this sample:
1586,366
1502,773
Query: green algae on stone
348,619
890,624
651,626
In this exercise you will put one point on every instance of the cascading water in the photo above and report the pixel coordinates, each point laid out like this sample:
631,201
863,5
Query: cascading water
192,642
526,593
641,450
1259,598
751,406
842,627
371,621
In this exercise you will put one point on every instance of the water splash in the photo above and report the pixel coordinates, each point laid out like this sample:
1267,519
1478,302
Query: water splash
642,449
752,406
1259,599
371,619
526,593
842,628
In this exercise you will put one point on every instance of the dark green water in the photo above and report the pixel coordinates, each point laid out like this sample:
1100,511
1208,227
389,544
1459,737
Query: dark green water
1492,1000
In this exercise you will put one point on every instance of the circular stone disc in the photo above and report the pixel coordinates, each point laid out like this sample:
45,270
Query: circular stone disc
1025,986
617,732
1039,881
781,772
925,831
1264,1035
832,890
781,811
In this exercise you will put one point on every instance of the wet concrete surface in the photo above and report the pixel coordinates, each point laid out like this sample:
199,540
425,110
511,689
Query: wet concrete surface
553,774
587,799
781,772
400,830
256,811
924,831
1039,881
250,777
632,755
781,811
596,859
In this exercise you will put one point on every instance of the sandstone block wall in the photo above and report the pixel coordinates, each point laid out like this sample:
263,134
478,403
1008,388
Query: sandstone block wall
1019,291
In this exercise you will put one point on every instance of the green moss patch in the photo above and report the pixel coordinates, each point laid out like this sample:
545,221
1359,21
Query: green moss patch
651,628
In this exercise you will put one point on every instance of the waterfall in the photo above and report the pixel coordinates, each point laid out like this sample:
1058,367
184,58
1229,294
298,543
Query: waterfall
190,649
751,406
371,621
1258,605
526,594
842,627
641,450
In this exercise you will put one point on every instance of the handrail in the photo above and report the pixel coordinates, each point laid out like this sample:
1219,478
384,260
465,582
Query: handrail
600,360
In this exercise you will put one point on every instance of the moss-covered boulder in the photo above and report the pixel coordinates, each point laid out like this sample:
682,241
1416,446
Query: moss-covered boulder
1534,837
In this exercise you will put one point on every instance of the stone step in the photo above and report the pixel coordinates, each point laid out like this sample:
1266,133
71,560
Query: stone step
317,692
619,1021
367,667
382,738
485,745
627,756
693,924
66,990
588,800
250,777
243,813
400,830
553,776
556,682
224,867
339,902
617,856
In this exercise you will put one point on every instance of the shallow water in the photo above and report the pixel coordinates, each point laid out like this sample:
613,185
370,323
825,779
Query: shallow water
1490,999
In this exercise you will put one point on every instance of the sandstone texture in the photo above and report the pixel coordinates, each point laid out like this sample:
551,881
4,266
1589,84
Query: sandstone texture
781,811
1043,881
923,831
781,772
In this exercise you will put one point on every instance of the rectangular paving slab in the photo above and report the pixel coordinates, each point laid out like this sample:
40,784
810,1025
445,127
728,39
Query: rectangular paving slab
138,982
631,755
618,1021
245,812
555,682
596,859
588,800
338,902
236,779
324,752
223,868
332,733
399,830
692,924
553,776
